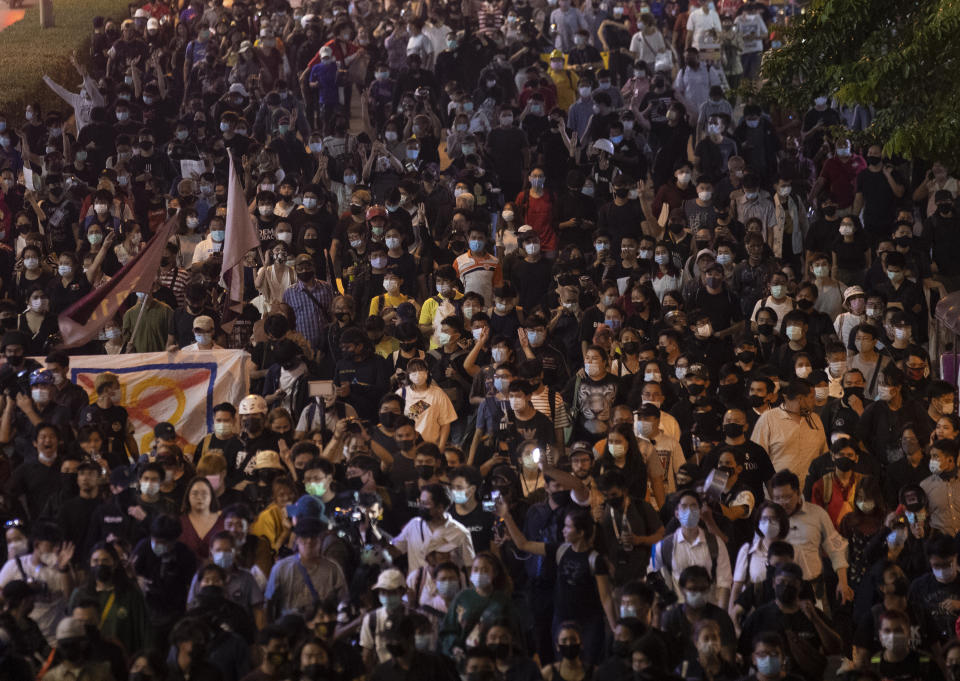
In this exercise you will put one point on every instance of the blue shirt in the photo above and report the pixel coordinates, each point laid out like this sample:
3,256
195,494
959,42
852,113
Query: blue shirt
325,76
312,307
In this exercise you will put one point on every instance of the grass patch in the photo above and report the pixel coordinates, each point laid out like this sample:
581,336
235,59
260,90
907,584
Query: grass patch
28,52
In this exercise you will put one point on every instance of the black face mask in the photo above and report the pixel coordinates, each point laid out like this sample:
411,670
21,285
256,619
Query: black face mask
103,573
354,483
621,192
804,303
405,445
425,472
501,651
15,360
847,392
756,401
903,241
729,393
746,356
560,498
695,389
315,672
210,592
786,593
729,470
844,465
305,276
765,329
675,227
733,430
570,651
874,160
700,244
355,209
632,347
342,316
387,419
72,649
829,211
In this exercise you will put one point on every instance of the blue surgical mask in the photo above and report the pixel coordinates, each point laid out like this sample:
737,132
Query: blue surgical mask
500,384
476,245
689,517
768,665
616,139
391,601
223,558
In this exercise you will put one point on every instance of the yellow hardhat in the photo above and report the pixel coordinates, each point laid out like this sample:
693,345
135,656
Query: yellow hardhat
556,54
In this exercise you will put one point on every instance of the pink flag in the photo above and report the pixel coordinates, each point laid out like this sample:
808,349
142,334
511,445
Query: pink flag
81,322
241,236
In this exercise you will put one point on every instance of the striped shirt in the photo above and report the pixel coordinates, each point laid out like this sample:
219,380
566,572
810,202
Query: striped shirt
312,308
479,274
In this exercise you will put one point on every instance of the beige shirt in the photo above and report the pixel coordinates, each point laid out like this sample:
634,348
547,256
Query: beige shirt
944,499
791,443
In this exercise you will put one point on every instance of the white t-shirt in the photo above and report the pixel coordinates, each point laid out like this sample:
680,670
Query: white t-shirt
753,31
429,408
700,23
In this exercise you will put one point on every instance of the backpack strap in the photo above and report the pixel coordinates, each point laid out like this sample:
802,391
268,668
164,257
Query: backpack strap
552,396
713,546
592,558
666,552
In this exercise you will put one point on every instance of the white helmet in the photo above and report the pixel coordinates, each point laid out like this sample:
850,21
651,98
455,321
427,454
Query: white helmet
604,145
253,404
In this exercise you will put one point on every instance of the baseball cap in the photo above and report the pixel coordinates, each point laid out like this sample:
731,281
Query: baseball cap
164,431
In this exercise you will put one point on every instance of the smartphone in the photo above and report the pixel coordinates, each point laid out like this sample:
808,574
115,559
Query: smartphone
321,388
535,455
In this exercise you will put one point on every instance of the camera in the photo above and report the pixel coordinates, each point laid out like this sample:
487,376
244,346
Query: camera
489,502
15,381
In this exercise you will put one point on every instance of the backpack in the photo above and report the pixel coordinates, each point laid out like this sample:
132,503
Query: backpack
592,558
666,552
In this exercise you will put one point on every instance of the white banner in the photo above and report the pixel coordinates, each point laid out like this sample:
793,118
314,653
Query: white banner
178,387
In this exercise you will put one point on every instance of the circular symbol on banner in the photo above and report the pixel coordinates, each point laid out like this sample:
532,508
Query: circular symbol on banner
155,385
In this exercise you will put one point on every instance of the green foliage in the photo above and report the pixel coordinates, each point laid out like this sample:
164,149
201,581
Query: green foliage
28,52
898,56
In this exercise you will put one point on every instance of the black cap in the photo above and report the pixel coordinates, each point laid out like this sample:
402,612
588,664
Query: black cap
308,527
164,431
14,338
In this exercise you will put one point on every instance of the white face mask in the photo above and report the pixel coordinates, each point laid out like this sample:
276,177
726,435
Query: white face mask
518,403
418,378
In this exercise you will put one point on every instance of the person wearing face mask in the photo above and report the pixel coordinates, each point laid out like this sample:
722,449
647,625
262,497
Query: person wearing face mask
882,420
465,484
674,194
789,615
795,328
690,545
405,658
427,403
163,567
390,589
628,530
898,659
934,598
74,656
47,567
941,485
837,489
508,149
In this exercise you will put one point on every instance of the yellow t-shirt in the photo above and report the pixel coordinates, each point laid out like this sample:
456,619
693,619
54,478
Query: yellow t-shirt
388,300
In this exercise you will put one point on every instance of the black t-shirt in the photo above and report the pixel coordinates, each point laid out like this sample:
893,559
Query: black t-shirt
925,599
757,468
620,221
575,593
538,427
480,525
821,235
916,666
532,281
769,617
721,307
112,424
879,201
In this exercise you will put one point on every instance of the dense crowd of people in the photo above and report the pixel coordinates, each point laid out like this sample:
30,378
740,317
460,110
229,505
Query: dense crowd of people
568,362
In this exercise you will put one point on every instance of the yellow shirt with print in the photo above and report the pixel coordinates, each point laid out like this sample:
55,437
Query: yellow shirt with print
429,311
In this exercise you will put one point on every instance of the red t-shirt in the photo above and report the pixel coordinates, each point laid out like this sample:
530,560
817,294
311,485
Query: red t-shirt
841,178
539,215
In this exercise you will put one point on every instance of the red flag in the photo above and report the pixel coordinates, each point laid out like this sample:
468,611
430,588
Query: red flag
81,322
